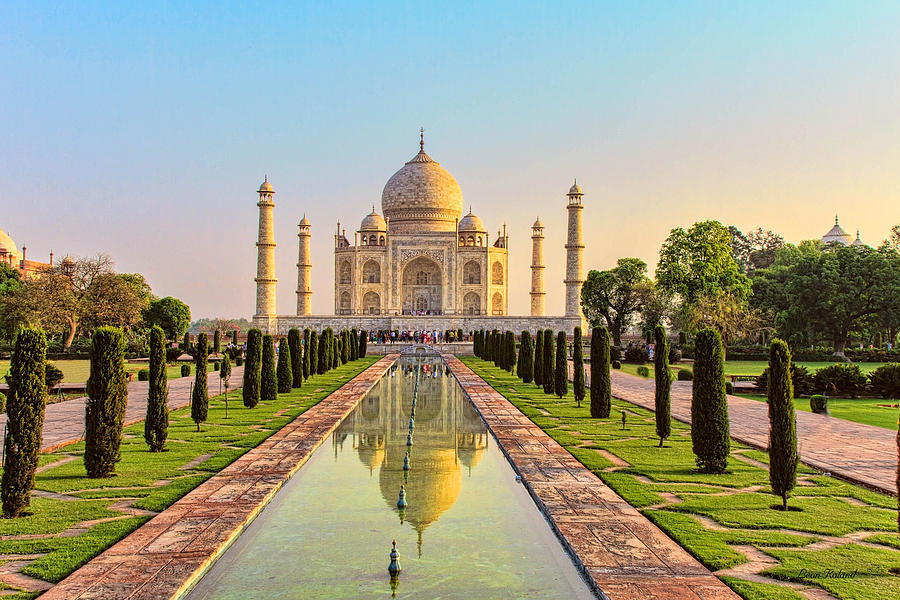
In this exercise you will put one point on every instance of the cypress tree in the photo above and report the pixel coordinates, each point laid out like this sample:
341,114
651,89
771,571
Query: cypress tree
296,350
305,362
225,376
539,358
345,347
234,335
336,353
24,419
186,344
526,358
313,352
217,341
268,387
156,423
549,362
663,385
200,395
496,341
252,368
475,344
105,407
709,407
578,364
601,389
354,344
363,342
519,356
486,350
284,370
510,351
561,376
782,426
323,345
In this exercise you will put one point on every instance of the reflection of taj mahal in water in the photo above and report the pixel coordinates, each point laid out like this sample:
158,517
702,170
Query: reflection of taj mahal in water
422,265
449,439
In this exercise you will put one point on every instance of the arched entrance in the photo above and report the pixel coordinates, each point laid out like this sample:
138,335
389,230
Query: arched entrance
422,287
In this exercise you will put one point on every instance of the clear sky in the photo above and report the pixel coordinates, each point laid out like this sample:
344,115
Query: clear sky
144,131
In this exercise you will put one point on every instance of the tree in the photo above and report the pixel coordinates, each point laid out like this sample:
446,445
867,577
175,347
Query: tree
335,353
324,351
171,314
476,350
24,420
561,376
313,352
549,363
601,388
727,313
699,262
486,355
234,337
539,358
354,344
107,394
296,350
526,358
709,405
496,342
225,376
200,394
345,347
578,364
306,347
116,300
268,387
363,341
657,304
156,423
611,297
285,375
783,456
217,341
510,351
663,379
186,343
892,243
252,368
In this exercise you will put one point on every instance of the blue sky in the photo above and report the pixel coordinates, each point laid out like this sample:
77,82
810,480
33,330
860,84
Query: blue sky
143,130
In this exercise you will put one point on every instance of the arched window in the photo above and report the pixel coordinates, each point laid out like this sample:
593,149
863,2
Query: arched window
472,304
470,241
363,239
381,240
497,274
371,272
462,240
497,304
422,304
345,272
345,303
479,240
373,240
421,278
371,303
472,273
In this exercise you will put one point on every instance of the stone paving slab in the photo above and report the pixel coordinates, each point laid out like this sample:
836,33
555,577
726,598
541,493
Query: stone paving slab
625,555
64,421
167,555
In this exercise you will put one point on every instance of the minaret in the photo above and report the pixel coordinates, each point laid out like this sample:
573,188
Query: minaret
304,267
265,257
574,251
537,269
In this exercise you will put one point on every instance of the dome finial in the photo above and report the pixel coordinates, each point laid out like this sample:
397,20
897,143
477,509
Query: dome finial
835,219
422,139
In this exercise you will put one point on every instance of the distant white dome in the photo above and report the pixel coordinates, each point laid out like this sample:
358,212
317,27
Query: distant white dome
373,222
471,223
837,235
7,243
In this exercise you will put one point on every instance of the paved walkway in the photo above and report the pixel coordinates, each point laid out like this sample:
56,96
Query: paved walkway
625,555
64,421
162,559
863,454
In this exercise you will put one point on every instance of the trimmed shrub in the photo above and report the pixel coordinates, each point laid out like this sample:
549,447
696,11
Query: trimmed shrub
886,380
600,384
296,350
268,386
217,341
782,426
336,353
2,403
144,375
105,407
313,353
818,404
52,376
685,375
253,368
561,373
802,380
234,337
549,363
578,364
200,396
662,400
637,355
539,358
729,387
643,371
496,352
306,346
511,357
616,365
186,343
284,371
709,409
840,378
525,365
615,353
674,354
239,361
363,342
25,420
156,422
172,354
345,347
354,344
185,370
225,376
476,344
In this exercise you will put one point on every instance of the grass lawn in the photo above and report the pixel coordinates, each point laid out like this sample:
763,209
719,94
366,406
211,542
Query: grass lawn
153,481
869,411
77,371
715,516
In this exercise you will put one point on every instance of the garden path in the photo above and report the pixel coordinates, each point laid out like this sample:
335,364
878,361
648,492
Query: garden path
64,421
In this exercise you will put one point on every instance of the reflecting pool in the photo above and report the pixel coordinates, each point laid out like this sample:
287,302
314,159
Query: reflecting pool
469,530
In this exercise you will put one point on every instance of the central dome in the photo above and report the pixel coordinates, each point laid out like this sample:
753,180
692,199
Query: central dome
422,196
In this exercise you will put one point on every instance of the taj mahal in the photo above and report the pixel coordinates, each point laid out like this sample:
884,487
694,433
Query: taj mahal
421,264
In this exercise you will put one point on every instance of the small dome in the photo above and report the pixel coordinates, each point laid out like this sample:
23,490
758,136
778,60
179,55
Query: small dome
373,222
304,221
537,223
266,186
857,241
837,234
575,190
471,223
7,243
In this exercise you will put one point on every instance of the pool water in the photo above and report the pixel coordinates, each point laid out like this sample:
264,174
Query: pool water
469,530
